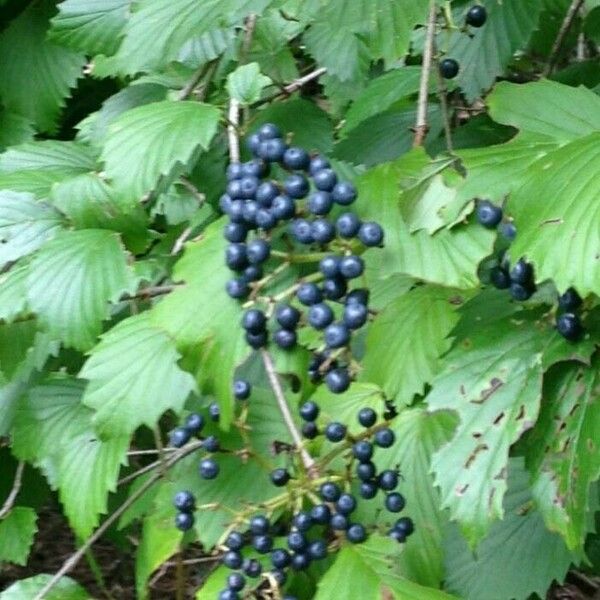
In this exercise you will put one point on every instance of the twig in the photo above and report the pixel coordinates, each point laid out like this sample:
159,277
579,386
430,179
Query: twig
70,563
192,189
421,123
150,292
181,240
12,496
247,43
562,33
443,96
292,87
307,459
232,134
189,87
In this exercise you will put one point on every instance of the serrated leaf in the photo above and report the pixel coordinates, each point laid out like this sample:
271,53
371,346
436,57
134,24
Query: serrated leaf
71,281
26,589
366,571
149,141
13,298
246,83
557,216
68,158
520,538
381,93
36,75
14,129
546,108
25,225
207,47
17,530
37,183
406,340
492,379
92,26
563,455
133,377
201,314
486,52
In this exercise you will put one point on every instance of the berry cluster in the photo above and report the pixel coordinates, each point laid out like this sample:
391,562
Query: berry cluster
312,201
520,279
476,17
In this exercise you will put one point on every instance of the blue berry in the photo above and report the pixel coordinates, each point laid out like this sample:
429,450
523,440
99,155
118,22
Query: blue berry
296,158
184,521
184,501
259,524
488,214
371,234
254,320
522,272
280,477
258,251
310,430
300,562
569,326
257,340
405,525
317,550
287,316
280,558
330,266
367,417
330,491
367,490
302,521
520,292
228,595
449,68
339,522
320,203
252,567
362,450
211,444
194,423
234,189
234,171
235,232
236,211
249,212
296,186
320,315
395,502
344,193
225,203
285,338
209,469
296,541
269,131
355,315
236,581
266,193
320,514
508,230
235,257
322,231
346,504
358,296
365,471
252,273
337,335
253,143
301,229
318,163
500,278
309,294
272,150
248,186
356,533
283,208
241,389
235,541
348,225
384,438
476,16
255,168
388,480
263,544
214,411
325,180
337,380
309,411
232,559
335,432
179,437
265,219
570,300
334,288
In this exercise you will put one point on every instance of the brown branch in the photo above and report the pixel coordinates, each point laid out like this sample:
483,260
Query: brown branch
443,96
421,127
292,87
189,87
14,492
150,292
307,459
562,34
72,561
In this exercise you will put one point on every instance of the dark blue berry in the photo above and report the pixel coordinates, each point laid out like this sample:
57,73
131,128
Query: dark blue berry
569,326
322,231
395,502
405,525
508,230
225,203
388,480
384,438
489,215
330,266
337,335
320,315
320,514
317,163
300,562
272,150
253,143
258,251
263,544
362,451
367,490
236,581
500,278
214,411
257,340
317,550
287,316
249,213
339,522
355,315
449,68
330,491
309,294
283,208
236,211
269,131
252,273
396,535
232,559
570,300
348,225
296,186
254,320
179,437
365,471
252,567
302,521
255,168
209,469
280,477
184,501
325,180
309,411
520,292
358,296
280,558
234,171
522,272
371,234
296,541
301,229
337,380
346,504
476,16
320,203
356,533
211,444
228,595
259,524
335,431
265,219
367,417
296,158
234,189
184,521
235,232
310,430
249,185
235,257
334,288
194,423
241,389
344,193
266,193
285,338
235,541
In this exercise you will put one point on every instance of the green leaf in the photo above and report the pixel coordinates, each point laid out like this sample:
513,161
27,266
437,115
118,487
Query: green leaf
381,93
67,158
150,141
246,83
406,340
485,52
519,539
200,313
546,108
14,129
26,589
71,281
92,26
208,46
13,299
563,455
133,377
17,531
366,571
35,75
557,216
37,183
25,225
492,379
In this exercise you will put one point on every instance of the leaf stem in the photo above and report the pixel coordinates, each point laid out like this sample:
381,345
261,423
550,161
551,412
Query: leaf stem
292,87
14,492
562,34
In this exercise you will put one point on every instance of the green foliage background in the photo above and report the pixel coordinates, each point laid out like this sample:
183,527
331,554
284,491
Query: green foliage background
113,144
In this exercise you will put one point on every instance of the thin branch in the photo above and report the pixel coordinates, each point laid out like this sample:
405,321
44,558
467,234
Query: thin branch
443,96
292,87
14,492
181,240
193,190
562,34
232,134
70,563
190,86
421,122
150,292
307,459
247,43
